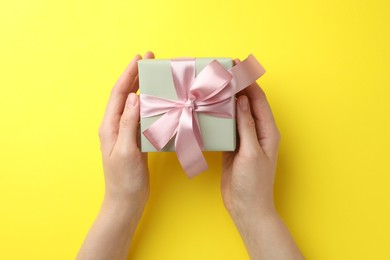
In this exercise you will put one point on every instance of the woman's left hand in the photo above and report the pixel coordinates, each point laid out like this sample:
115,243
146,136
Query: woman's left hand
125,170
125,167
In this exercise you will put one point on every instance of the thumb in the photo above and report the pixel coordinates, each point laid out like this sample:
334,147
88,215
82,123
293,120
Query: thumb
129,122
246,125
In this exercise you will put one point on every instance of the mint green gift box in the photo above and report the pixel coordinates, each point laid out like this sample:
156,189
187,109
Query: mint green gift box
155,78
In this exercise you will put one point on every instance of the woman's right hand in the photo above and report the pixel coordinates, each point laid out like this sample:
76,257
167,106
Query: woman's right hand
248,180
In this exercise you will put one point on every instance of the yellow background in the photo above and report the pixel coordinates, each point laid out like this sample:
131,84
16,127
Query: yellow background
328,83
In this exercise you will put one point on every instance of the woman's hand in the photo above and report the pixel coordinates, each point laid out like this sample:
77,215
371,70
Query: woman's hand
125,167
248,180
125,171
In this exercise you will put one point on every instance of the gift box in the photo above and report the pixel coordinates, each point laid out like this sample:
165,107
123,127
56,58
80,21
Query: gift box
188,105
155,78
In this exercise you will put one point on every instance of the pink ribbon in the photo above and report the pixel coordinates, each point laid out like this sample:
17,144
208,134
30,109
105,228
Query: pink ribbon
209,92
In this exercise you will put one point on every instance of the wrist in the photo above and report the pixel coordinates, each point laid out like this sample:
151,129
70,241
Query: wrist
123,207
252,217
246,209
126,197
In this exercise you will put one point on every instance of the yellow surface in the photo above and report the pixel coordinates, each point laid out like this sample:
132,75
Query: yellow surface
328,83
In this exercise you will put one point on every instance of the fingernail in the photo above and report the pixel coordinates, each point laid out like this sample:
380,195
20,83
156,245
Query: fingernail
148,54
132,100
243,103
137,57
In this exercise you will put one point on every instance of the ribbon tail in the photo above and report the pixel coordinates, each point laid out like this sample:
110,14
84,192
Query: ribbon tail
161,131
197,131
244,74
188,149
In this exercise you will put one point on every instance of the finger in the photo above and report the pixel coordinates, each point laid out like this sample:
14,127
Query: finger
135,86
126,142
128,82
122,89
149,55
246,127
266,128
109,127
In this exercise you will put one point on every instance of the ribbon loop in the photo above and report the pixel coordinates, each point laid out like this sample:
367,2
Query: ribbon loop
209,92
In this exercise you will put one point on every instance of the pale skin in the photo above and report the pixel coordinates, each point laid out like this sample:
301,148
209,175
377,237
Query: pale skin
246,185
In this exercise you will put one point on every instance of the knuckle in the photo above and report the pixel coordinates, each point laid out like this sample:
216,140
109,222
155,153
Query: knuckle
122,154
125,152
115,88
105,133
250,123
125,121
101,132
251,154
104,150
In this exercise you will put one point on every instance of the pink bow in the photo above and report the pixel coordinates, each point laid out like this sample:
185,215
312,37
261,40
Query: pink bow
209,92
